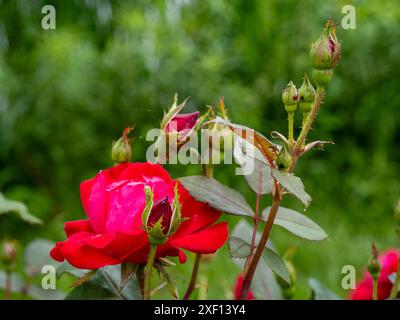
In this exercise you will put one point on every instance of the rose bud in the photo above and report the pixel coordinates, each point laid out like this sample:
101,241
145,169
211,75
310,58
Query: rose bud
161,219
284,159
220,136
374,265
290,97
121,150
306,95
182,124
325,52
288,290
8,252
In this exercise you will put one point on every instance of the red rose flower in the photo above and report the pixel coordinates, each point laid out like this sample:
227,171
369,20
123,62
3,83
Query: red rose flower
238,289
183,124
363,291
113,233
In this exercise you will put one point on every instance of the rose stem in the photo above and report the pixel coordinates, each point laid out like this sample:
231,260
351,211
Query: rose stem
7,289
193,278
290,126
396,283
278,193
263,241
375,289
255,225
208,171
147,272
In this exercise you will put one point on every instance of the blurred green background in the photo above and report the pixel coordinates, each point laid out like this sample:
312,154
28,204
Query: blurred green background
66,94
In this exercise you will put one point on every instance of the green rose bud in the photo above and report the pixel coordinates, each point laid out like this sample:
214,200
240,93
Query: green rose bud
325,52
8,252
374,265
161,219
290,97
306,95
284,159
288,290
121,150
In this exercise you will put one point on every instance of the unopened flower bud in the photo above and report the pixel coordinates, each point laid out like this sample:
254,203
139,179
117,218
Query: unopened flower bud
121,150
221,137
8,252
284,159
180,124
183,124
289,289
325,52
306,95
374,265
290,97
161,219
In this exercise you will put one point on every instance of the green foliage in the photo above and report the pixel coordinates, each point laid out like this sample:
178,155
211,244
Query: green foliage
297,223
105,284
18,208
217,195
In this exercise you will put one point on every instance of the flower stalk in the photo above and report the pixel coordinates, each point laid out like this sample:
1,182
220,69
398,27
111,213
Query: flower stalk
248,278
193,278
147,272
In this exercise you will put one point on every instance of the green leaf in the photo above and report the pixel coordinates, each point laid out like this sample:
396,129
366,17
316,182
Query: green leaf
264,285
18,208
254,167
105,284
37,255
65,267
297,223
276,264
320,292
217,195
238,248
293,185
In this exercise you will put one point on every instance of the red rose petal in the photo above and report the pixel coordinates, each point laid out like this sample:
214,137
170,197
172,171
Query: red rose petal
205,241
72,227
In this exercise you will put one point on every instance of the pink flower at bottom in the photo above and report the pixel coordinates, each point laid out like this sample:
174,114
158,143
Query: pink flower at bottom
238,289
390,264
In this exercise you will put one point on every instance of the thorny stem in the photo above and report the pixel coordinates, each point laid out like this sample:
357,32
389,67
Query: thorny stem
255,226
307,124
290,126
263,241
305,116
395,289
278,194
147,272
193,278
